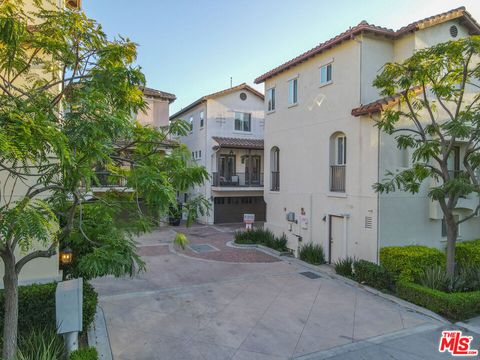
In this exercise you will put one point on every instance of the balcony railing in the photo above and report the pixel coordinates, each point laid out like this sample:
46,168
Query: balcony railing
275,183
107,179
337,178
238,180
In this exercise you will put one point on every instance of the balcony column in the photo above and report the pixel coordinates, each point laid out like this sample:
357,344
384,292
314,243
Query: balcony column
249,167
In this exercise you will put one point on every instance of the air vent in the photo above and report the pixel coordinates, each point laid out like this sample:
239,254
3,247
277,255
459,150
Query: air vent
243,96
453,31
368,222
310,275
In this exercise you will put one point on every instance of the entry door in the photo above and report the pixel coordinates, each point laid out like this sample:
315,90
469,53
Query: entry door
255,176
227,167
337,240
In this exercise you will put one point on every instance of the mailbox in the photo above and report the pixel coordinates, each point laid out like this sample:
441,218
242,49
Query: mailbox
68,304
291,217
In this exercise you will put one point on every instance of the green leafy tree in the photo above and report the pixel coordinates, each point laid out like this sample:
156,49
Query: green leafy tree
67,95
439,92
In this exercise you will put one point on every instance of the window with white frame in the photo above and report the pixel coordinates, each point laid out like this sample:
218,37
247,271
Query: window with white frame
199,154
271,99
202,119
190,121
326,74
341,150
243,121
293,91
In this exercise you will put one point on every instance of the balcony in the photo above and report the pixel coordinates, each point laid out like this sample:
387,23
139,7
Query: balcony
108,180
337,178
275,183
239,180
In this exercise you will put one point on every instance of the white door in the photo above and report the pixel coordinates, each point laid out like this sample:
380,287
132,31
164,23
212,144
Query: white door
337,238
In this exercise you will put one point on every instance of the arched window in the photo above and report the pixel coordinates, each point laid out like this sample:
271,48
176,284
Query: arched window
275,168
338,161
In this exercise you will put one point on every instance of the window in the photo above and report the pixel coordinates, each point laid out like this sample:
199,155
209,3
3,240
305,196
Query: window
199,153
275,167
191,123
193,155
243,121
444,226
293,91
326,74
338,160
201,118
196,154
271,99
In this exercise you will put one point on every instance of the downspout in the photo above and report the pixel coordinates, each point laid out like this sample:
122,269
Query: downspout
378,198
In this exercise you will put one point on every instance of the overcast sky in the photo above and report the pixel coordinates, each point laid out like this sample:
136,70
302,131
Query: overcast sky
192,47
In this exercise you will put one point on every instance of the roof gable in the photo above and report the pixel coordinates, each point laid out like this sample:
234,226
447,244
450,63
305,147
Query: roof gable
364,27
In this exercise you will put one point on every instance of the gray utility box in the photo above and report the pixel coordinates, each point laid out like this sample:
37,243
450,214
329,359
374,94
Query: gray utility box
69,309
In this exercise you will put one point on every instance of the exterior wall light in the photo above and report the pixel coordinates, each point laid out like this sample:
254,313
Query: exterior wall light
66,256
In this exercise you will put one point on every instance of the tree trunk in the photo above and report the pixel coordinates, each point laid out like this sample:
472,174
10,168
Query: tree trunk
10,325
452,229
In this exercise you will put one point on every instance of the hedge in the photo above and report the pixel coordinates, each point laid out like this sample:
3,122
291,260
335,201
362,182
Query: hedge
468,252
455,306
263,237
36,306
372,274
84,354
408,262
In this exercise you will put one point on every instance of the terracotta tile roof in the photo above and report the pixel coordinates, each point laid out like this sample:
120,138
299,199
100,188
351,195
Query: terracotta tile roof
364,26
237,143
243,86
159,94
381,104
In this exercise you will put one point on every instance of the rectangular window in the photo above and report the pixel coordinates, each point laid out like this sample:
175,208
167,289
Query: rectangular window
199,153
191,123
243,121
201,118
326,74
341,150
293,91
271,99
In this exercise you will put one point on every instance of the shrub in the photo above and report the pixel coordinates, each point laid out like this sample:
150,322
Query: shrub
41,344
344,266
468,253
84,354
36,306
262,237
312,254
408,262
455,306
466,278
372,274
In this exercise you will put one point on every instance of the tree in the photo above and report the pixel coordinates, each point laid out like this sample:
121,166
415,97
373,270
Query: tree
439,91
67,95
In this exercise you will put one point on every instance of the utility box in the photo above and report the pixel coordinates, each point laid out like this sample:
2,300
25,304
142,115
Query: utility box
68,304
291,217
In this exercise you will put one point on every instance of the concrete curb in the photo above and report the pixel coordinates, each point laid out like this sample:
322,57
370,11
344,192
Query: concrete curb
97,336
332,275
466,325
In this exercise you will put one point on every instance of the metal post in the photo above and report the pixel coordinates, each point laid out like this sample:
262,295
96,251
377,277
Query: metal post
71,341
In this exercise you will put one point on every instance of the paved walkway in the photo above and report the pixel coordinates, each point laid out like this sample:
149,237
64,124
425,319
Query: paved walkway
186,307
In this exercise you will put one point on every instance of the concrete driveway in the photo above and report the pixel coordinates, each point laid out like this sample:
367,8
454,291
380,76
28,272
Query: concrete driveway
190,307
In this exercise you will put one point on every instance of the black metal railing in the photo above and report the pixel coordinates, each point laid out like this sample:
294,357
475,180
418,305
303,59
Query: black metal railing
337,178
237,180
275,183
107,179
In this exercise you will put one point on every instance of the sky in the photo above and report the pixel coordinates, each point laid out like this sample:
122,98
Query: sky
193,47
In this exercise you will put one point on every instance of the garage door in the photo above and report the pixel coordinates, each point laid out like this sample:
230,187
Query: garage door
231,209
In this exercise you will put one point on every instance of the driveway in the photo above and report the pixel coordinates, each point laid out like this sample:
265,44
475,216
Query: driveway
229,303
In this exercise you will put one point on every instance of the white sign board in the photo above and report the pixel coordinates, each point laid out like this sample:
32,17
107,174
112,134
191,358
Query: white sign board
68,303
248,218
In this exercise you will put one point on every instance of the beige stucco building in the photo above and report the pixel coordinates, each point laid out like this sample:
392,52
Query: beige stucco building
322,161
227,139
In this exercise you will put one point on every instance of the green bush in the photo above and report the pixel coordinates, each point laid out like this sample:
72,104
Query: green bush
312,254
372,274
466,278
344,266
84,354
41,344
408,262
263,237
455,306
36,306
468,253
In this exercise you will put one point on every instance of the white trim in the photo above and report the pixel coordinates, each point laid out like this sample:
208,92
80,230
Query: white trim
293,105
326,62
293,77
335,194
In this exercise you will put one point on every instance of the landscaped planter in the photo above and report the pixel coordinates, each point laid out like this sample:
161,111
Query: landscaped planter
455,306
